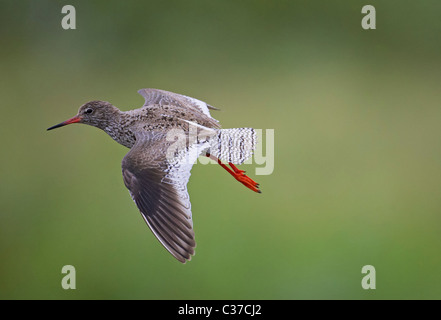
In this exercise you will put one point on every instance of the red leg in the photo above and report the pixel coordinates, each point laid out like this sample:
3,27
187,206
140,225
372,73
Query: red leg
239,175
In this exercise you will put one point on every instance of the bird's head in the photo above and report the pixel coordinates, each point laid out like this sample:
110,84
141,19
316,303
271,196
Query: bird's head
94,113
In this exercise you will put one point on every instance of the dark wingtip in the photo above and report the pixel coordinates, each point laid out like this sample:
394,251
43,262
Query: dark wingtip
212,108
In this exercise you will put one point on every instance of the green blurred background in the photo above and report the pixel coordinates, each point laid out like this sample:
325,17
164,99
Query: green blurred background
357,174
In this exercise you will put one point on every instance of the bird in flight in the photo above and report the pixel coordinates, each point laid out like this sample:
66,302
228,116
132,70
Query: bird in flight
165,137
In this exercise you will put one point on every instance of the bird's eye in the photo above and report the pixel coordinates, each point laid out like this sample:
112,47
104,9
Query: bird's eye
88,111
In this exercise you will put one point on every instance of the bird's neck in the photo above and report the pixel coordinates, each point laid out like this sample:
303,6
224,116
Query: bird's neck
119,128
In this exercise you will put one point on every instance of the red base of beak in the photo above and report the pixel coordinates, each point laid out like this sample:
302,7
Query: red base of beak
62,124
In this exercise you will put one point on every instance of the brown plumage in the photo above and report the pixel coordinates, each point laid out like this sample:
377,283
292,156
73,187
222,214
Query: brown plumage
156,170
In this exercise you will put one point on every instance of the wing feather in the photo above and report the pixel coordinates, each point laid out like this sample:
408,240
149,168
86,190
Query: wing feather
159,189
162,97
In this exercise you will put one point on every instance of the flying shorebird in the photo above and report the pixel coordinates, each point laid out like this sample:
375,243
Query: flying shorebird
166,136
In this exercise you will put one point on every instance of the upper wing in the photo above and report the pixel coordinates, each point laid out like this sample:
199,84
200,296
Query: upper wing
159,189
162,97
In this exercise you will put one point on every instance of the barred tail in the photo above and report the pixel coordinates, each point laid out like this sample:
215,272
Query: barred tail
233,145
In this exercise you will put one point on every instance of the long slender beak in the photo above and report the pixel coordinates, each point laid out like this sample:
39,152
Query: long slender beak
62,124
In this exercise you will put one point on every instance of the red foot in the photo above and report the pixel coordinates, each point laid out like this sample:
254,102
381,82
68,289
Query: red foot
239,175
244,179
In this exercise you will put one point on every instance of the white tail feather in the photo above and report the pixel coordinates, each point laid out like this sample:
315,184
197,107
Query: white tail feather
233,145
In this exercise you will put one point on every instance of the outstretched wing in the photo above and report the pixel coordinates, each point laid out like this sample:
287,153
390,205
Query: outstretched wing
159,188
162,97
